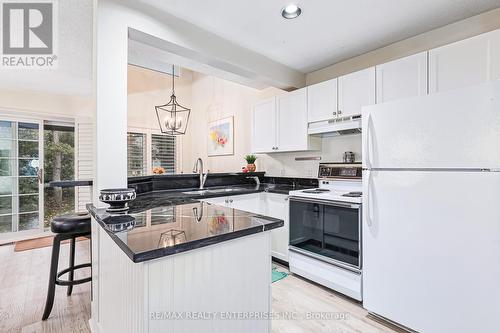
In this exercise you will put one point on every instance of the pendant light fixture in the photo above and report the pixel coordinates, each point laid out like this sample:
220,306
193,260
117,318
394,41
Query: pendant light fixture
172,117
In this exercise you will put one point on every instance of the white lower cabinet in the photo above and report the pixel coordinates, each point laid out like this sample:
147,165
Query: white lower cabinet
266,204
277,206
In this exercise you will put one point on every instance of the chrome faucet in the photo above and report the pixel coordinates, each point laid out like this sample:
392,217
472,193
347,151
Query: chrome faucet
198,168
257,180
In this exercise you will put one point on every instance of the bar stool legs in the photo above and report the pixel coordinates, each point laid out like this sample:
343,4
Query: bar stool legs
71,264
54,275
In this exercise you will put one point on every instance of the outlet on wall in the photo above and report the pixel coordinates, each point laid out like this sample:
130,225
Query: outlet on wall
309,173
282,172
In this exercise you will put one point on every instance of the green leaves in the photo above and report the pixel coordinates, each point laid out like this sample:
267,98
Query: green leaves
250,159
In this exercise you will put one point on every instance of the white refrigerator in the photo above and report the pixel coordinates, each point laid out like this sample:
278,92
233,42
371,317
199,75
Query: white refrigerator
431,211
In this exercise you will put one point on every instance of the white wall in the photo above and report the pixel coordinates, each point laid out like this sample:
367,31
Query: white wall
214,98
147,88
463,29
42,104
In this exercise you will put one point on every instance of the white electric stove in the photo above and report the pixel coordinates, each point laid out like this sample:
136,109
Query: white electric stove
333,190
325,229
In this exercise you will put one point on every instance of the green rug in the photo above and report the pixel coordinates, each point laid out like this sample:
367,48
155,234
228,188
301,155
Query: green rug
278,275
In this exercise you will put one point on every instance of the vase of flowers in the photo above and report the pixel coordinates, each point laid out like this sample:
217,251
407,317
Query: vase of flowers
158,170
251,162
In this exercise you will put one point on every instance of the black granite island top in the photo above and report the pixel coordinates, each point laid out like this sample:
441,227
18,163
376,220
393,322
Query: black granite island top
146,234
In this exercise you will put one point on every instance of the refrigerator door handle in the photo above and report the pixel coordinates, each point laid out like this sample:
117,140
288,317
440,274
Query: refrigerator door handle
369,202
367,141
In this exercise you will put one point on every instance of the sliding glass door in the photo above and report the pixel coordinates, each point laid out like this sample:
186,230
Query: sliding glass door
32,154
21,192
59,164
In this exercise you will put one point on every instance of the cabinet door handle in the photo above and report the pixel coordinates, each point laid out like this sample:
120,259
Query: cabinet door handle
334,113
339,112
231,200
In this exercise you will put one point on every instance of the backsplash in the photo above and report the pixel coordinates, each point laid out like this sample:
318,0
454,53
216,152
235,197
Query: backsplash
285,165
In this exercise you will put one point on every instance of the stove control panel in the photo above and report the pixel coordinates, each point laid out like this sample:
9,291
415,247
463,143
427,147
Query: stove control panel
340,170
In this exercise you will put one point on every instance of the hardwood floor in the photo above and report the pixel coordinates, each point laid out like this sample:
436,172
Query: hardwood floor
297,295
23,287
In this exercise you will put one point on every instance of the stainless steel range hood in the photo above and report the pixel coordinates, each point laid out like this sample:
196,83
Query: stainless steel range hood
334,127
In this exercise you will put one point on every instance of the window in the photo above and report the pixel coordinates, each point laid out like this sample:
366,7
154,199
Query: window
163,152
146,151
136,154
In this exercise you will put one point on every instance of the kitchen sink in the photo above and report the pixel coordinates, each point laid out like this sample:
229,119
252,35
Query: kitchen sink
214,191
198,192
225,190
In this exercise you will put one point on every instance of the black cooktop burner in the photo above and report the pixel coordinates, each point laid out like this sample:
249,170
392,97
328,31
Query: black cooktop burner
353,194
316,190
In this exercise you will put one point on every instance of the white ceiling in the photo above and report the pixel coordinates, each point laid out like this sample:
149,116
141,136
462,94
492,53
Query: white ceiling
328,31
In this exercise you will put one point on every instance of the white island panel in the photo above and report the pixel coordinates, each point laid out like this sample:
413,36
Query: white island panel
222,280
231,278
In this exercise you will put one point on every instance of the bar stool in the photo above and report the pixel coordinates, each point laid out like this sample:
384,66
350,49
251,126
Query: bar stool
69,226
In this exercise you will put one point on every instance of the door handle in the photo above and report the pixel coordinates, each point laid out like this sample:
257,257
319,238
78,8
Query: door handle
39,175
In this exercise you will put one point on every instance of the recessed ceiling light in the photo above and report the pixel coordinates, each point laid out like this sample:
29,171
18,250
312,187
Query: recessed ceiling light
291,11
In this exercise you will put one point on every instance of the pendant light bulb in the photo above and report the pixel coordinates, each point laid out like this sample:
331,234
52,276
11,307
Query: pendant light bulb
172,123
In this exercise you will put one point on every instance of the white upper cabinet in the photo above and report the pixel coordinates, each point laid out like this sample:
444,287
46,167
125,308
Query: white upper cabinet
355,91
402,78
264,126
468,62
291,110
280,124
322,101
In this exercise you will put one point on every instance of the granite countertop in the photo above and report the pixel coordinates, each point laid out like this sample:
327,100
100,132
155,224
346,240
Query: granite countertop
170,228
179,196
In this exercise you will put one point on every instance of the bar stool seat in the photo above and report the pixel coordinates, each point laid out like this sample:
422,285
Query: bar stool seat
70,226
71,223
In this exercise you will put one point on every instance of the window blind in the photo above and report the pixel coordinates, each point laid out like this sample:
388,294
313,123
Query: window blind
136,154
163,152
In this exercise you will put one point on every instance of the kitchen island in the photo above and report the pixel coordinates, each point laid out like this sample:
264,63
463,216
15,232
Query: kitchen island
181,267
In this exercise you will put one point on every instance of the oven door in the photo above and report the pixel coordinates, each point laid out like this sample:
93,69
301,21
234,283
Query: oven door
326,230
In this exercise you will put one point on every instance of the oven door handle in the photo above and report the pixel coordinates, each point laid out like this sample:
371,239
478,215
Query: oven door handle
326,202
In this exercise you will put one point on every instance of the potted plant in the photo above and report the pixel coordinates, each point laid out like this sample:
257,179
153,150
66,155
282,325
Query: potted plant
251,162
